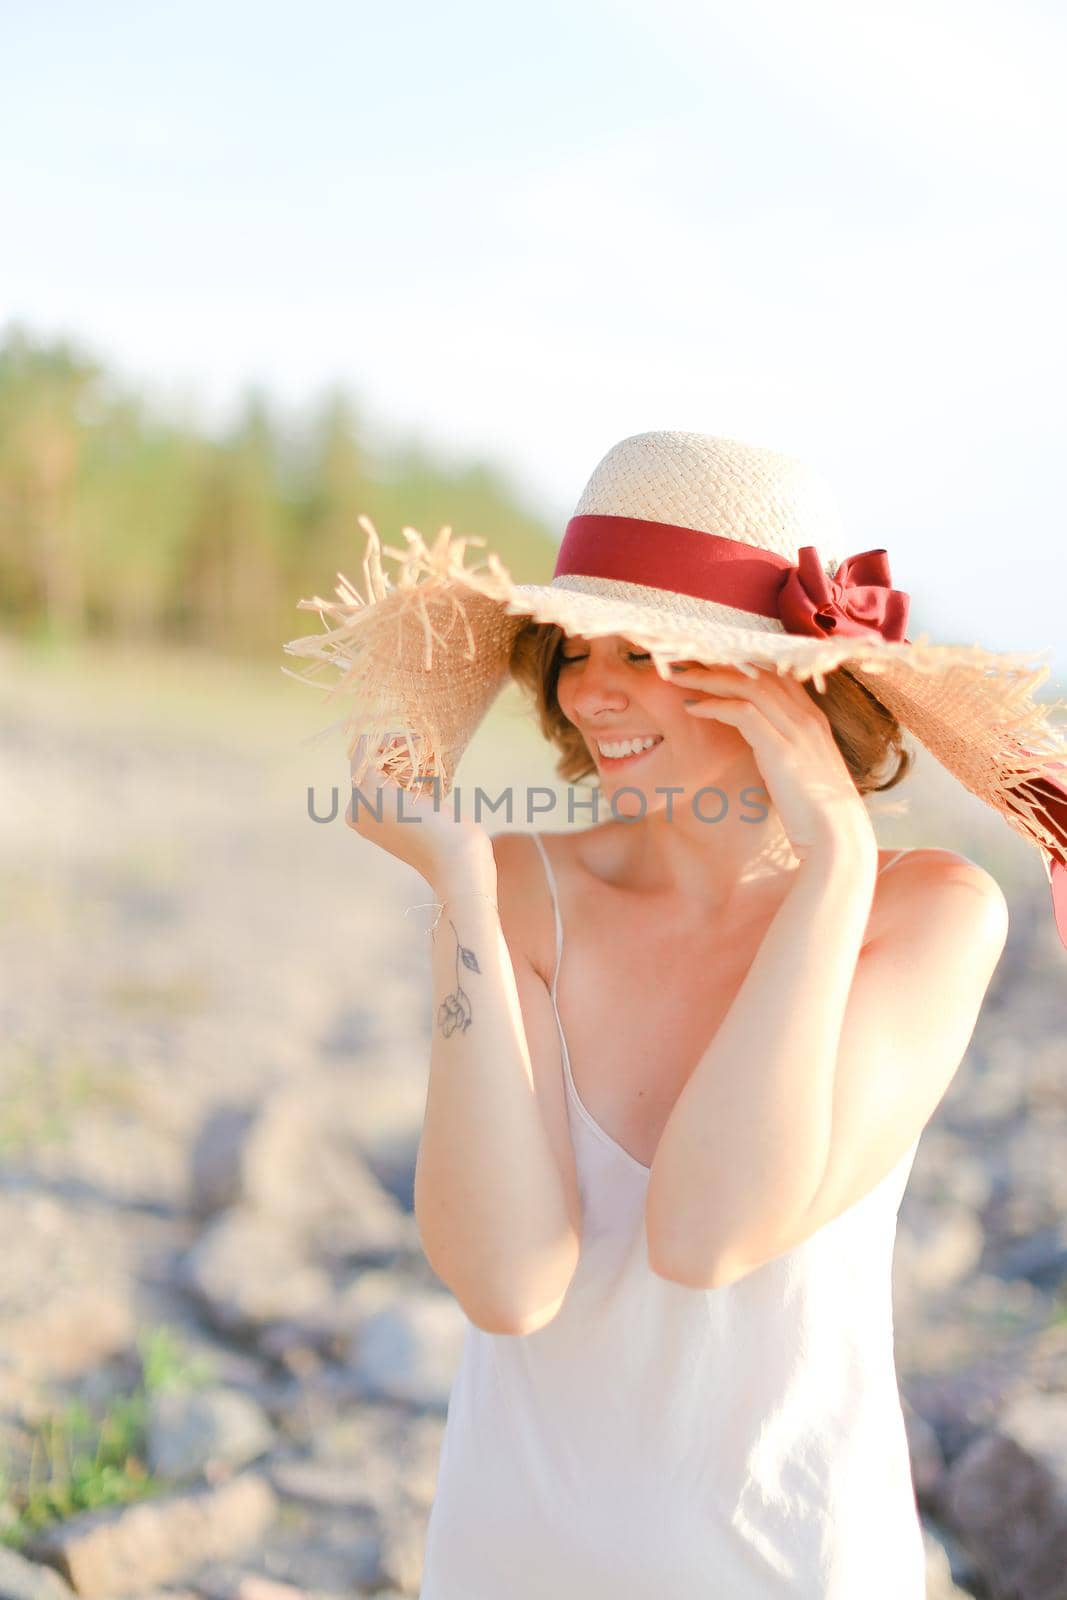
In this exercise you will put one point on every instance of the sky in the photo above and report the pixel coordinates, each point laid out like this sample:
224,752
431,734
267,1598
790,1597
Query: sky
522,234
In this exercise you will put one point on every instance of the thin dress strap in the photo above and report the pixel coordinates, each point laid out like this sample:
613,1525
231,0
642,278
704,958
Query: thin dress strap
891,862
555,907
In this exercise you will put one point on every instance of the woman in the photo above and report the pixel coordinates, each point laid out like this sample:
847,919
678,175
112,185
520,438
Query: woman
662,1177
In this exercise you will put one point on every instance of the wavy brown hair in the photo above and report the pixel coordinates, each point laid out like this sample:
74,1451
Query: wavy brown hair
866,732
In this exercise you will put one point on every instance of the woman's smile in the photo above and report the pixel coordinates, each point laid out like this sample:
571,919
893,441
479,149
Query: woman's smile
610,762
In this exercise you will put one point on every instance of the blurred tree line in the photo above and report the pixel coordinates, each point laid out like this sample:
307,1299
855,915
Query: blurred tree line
115,521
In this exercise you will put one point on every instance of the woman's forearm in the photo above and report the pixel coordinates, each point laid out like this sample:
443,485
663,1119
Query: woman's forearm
489,1198
747,1143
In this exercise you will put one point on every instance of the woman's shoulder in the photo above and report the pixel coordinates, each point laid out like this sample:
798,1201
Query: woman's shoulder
914,878
568,850
518,865
518,850
930,863
523,896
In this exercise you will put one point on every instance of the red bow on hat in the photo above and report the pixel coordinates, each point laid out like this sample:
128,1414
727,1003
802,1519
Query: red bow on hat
858,599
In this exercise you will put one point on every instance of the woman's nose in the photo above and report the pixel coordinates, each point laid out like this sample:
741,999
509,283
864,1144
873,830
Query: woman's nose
600,687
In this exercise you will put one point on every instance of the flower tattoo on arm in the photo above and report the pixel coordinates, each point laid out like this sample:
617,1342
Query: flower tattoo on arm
455,1009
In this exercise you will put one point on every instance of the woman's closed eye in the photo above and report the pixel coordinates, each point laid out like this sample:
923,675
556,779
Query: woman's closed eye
634,655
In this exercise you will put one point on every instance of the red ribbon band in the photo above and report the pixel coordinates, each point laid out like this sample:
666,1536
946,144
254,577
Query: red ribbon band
858,599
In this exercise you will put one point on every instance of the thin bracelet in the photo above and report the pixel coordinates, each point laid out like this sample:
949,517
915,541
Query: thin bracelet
439,905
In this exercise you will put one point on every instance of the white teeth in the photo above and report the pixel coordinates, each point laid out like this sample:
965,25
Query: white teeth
626,747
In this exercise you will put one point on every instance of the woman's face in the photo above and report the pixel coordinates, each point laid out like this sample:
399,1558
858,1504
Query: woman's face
610,690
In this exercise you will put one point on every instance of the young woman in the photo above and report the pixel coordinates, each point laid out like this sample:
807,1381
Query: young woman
683,1056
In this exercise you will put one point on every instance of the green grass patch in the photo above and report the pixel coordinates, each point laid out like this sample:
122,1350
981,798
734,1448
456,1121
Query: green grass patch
85,1462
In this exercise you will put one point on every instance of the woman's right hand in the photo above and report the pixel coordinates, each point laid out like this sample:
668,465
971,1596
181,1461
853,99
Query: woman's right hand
433,844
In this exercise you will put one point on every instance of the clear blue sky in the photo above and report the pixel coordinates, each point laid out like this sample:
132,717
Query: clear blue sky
525,233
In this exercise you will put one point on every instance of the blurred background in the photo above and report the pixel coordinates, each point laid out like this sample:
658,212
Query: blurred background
265,269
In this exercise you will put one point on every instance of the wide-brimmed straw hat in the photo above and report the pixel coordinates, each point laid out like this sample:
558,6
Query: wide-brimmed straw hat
699,548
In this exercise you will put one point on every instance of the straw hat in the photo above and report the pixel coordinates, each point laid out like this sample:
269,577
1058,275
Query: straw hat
697,548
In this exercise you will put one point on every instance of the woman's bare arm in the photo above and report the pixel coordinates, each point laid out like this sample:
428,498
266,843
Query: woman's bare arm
747,1142
829,1064
495,1195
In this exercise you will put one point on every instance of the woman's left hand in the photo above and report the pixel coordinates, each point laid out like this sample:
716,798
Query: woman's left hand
806,776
